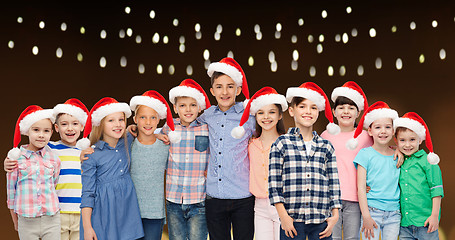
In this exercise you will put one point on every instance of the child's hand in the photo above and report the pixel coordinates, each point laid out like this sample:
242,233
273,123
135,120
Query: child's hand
9,165
84,152
331,221
368,225
163,138
287,224
132,129
432,222
399,156
368,188
89,234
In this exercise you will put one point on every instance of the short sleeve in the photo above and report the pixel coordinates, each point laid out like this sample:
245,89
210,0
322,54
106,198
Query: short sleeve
361,159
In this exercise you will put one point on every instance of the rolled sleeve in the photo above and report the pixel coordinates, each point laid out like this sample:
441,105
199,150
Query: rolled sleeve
434,177
275,173
88,178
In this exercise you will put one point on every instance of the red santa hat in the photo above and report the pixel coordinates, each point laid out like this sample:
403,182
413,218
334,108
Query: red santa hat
73,107
376,111
190,88
352,91
414,122
153,99
28,117
312,92
101,109
231,68
261,98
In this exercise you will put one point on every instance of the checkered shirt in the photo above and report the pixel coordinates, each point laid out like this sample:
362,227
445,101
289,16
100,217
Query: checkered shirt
187,164
307,184
31,186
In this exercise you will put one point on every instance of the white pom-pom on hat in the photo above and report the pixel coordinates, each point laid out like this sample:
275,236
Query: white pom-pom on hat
238,132
174,137
333,128
352,143
83,143
14,153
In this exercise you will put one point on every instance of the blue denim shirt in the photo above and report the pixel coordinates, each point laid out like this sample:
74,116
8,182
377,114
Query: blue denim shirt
228,169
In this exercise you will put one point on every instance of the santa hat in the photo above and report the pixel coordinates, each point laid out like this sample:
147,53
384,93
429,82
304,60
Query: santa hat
314,93
190,88
352,91
101,109
153,99
414,122
73,107
263,97
376,111
28,117
231,68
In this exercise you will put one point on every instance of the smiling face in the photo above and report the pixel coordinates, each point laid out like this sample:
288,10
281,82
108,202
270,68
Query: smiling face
225,90
381,130
304,113
346,115
146,119
69,128
407,141
113,127
39,134
187,109
268,116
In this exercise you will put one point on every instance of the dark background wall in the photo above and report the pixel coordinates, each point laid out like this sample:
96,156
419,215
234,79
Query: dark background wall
47,80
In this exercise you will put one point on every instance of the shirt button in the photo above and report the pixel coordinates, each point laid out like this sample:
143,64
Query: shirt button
221,139
308,175
222,125
406,199
406,212
116,150
219,166
187,158
308,189
120,160
121,170
219,179
225,113
406,170
219,152
406,184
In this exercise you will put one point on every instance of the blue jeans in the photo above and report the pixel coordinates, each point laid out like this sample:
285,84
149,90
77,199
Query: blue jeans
348,224
306,230
186,221
413,232
388,223
153,228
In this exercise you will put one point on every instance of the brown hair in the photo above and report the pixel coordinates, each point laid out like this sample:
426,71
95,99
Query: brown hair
279,125
344,100
401,129
215,75
296,101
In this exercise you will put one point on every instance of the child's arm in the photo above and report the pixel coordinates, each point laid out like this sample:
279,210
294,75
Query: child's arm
287,223
368,222
433,221
88,178
9,165
331,221
86,152
399,157
14,217
89,233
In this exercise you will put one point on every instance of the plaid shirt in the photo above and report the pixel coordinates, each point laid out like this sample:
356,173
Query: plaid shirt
31,186
307,185
187,164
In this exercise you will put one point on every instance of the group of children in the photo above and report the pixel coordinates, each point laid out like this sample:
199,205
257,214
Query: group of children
231,170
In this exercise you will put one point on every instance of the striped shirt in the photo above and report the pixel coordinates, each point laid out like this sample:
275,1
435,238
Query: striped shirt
31,186
187,164
307,184
69,186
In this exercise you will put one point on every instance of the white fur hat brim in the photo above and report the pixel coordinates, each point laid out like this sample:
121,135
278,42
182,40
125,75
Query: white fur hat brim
32,118
415,126
227,69
105,110
352,94
154,103
268,99
74,111
311,95
184,91
376,114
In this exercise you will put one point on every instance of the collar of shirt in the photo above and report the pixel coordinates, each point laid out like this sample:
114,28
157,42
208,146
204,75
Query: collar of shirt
194,123
102,144
417,154
28,153
296,132
238,108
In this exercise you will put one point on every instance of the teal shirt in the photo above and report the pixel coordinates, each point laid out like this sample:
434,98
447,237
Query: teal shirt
382,177
148,163
420,181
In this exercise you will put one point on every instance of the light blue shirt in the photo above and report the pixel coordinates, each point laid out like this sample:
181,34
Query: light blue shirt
382,177
228,169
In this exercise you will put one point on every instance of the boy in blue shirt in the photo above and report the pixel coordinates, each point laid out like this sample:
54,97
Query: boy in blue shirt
229,201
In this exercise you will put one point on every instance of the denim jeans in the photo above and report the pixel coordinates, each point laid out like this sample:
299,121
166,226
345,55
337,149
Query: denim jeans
186,221
413,232
153,228
388,224
306,230
348,224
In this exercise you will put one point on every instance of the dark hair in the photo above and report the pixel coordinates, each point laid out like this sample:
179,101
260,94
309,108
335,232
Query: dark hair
215,75
344,100
279,125
401,129
296,101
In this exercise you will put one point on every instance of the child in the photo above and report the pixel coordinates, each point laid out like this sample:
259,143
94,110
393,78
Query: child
376,168
32,198
268,106
187,164
349,100
303,176
229,201
420,180
109,206
148,161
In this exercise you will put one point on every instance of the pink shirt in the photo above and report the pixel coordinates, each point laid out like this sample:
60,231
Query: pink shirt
259,168
347,172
